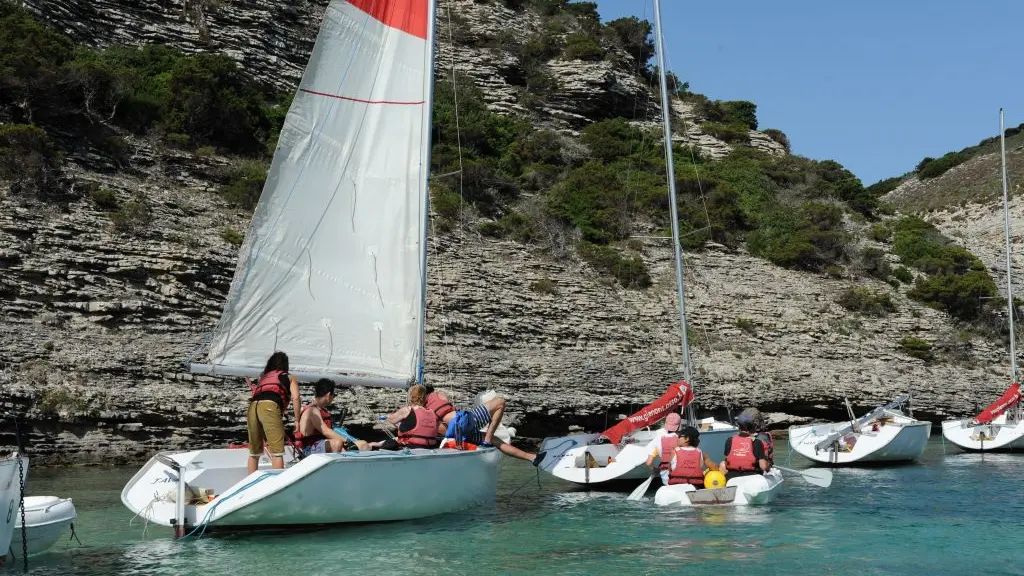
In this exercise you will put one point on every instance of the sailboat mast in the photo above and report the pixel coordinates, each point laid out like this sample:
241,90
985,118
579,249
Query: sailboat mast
670,167
428,124
1006,227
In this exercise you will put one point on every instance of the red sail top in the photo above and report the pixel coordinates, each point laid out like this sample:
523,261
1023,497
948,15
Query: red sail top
1006,401
406,15
678,394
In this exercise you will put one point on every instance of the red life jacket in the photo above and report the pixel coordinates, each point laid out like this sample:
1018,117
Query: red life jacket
424,433
271,382
769,445
741,455
304,440
689,468
668,446
439,406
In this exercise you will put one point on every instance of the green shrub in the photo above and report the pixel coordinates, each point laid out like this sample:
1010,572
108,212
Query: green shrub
881,232
634,35
883,187
244,183
903,274
874,263
29,161
514,225
445,202
809,237
592,199
610,140
916,347
780,137
961,295
933,168
132,218
582,47
631,272
544,286
866,301
734,133
231,236
747,325
104,199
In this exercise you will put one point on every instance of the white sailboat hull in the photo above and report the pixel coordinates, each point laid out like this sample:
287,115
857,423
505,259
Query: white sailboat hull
998,435
48,519
10,494
902,440
620,463
752,490
320,489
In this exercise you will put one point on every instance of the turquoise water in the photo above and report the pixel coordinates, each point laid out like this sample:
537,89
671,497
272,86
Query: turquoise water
954,514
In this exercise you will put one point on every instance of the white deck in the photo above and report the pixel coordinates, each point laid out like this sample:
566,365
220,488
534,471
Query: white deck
899,438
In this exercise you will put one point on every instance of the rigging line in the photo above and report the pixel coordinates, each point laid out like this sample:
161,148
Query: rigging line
455,99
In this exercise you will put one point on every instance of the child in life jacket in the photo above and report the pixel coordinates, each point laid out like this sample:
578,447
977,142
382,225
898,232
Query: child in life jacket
745,453
689,463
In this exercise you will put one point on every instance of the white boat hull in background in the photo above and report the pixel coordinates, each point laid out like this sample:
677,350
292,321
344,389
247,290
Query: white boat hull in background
320,489
754,489
998,435
48,519
10,495
902,440
587,464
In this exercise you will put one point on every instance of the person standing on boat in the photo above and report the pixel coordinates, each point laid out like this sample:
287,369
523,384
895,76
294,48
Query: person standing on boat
487,414
689,462
663,444
745,454
271,395
315,433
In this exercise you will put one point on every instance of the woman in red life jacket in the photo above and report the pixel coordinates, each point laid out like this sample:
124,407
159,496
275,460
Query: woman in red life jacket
689,463
417,426
744,453
315,433
271,395
663,445
487,414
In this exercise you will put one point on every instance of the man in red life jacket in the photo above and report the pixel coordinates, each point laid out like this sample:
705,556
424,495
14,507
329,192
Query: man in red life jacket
487,414
271,396
689,463
315,432
745,454
664,444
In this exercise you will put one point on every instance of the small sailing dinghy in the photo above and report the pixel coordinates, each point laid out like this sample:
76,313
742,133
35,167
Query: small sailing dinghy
13,472
885,434
1000,426
47,520
753,489
333,271
620,453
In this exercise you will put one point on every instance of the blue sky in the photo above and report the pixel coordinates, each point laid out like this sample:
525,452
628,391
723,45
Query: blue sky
874,85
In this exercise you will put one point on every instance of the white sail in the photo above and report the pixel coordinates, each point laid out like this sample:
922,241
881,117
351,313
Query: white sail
331,268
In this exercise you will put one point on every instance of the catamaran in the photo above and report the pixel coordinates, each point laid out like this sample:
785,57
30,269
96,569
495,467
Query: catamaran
1000,426
13,472
333,271
620,453
885,434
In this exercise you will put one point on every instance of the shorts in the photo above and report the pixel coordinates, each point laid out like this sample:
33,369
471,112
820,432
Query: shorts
664,477
318,447
265,425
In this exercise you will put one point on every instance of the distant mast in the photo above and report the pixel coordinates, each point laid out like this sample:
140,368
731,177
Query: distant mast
670,165
1006,227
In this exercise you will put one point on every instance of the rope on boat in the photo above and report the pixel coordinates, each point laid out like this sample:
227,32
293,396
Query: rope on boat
528,480
201,527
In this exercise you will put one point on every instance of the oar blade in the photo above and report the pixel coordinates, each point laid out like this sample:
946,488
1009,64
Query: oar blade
818,477
640,490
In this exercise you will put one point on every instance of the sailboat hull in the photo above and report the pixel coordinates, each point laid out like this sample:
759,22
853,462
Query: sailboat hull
10,494
902,440
752,490
996,436
319,489
590,464
48,519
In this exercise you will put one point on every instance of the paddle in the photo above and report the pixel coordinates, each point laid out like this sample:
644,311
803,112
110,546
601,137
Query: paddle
816,476
640,490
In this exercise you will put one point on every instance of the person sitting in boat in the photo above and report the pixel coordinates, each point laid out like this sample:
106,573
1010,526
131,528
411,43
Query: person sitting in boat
315,433
417,425
271,395
689,463
487,414
744,453
663,445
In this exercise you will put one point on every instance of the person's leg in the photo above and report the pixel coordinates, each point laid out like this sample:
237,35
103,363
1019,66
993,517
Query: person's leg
273,428
252,424
495,409
510,450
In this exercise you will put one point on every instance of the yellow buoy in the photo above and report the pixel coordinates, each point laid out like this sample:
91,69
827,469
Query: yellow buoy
714,479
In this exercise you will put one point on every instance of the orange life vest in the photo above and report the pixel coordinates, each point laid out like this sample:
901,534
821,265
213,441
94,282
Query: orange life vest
769,445
304,440
424,433
271,382
741,455
668,446
689,468
439,406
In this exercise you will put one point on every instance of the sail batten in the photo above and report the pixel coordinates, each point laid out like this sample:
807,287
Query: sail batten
330,270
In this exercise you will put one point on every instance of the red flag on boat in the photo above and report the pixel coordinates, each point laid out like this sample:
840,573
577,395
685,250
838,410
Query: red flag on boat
1006,401
678,394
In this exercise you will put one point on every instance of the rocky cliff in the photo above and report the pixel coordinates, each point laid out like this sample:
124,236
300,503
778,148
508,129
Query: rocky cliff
98,320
